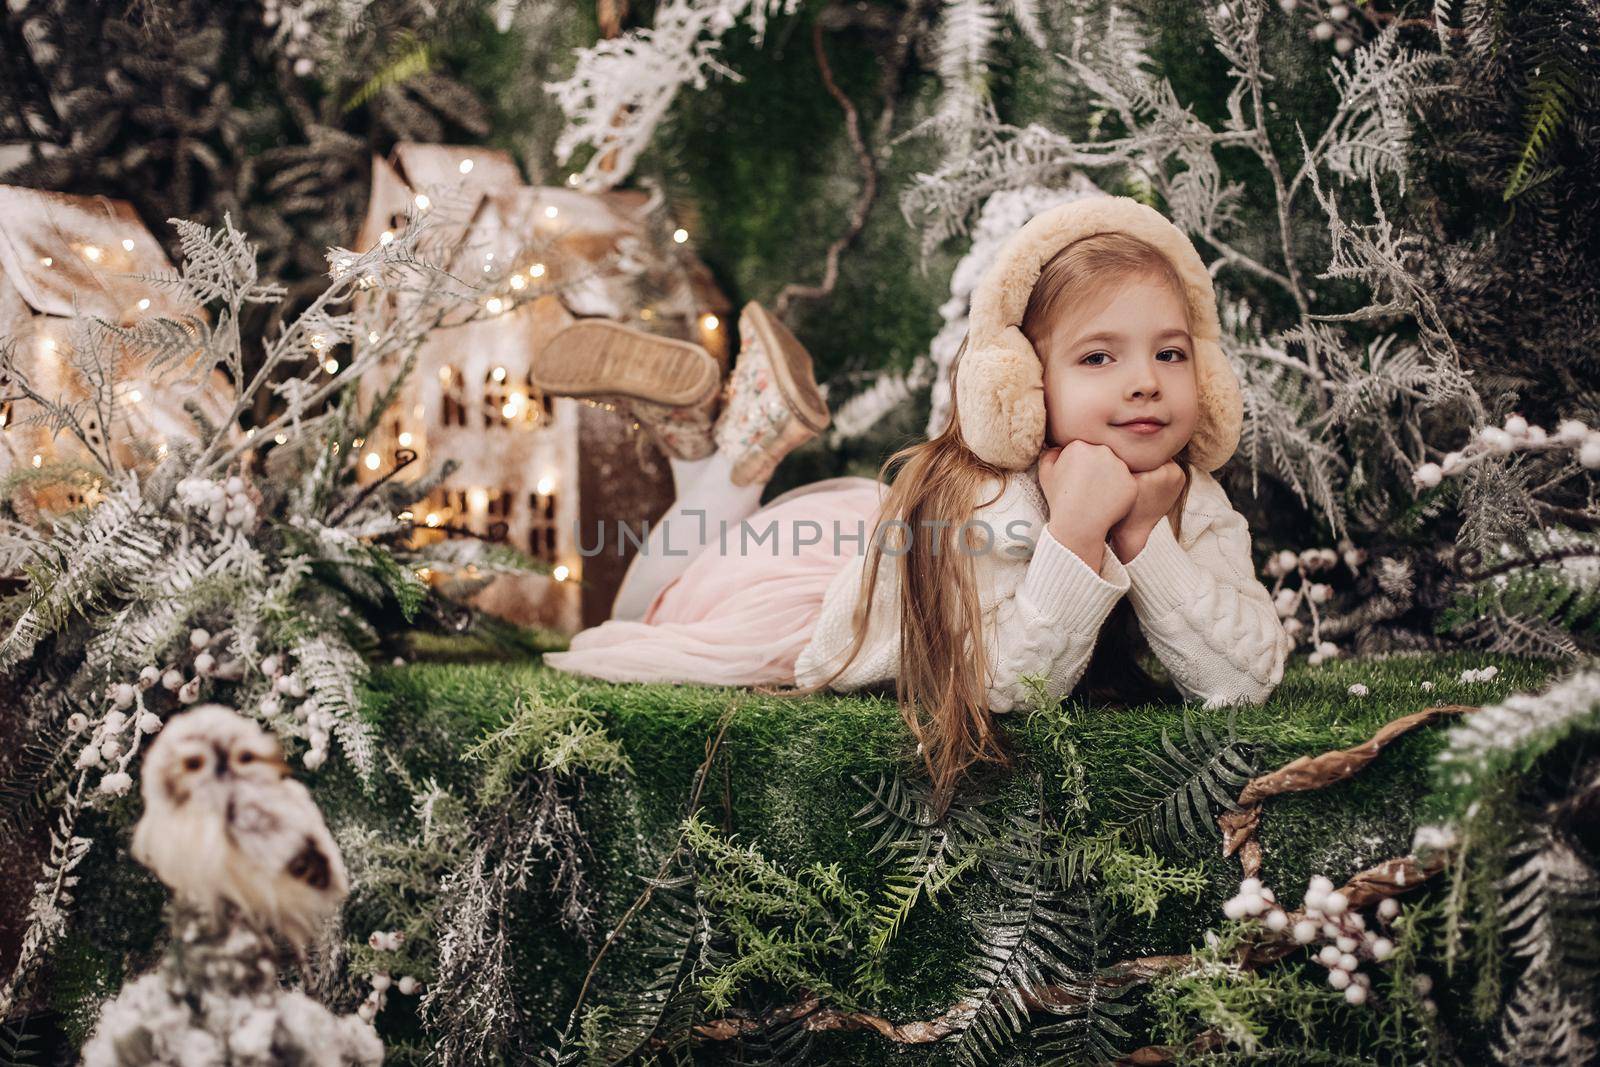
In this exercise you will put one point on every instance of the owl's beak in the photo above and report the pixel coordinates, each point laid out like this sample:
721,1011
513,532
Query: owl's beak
222,760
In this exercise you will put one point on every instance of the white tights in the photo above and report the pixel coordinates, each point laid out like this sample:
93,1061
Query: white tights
702,485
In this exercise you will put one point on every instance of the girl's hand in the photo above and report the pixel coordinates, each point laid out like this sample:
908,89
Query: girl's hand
1157,492
1088,489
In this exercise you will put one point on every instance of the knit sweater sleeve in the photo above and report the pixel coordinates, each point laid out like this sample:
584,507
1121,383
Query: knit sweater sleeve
1048,624
1207,616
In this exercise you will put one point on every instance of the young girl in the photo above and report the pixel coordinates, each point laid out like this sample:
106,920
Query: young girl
1090,403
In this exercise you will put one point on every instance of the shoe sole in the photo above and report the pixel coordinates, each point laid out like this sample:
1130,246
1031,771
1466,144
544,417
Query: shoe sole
598,357
795,371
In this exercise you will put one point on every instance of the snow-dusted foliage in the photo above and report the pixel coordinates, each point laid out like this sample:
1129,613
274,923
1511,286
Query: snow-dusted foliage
622,87
244,566
215,1001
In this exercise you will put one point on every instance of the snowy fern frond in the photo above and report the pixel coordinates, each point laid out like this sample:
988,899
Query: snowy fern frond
218,264
1279,433
891,390
1481,747
1379,86
178,586
1550,912
91,559
637,75
967,32
1026,15
332,673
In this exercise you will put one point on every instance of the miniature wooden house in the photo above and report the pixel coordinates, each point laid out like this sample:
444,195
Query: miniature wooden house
62,257
535,471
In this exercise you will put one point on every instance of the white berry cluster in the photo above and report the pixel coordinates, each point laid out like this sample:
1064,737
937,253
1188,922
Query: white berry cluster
1328,24
1328,921
293,32
114,740
1482,674
106,747
221,502
286,684
1515,436
386,941
1309,594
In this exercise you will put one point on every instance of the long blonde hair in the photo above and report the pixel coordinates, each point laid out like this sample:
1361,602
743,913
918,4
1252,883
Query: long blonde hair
941,684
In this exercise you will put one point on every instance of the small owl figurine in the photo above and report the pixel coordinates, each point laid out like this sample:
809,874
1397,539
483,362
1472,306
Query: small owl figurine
224,821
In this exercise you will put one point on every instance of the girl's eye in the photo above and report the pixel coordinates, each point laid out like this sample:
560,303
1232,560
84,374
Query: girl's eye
1180,353
1091,355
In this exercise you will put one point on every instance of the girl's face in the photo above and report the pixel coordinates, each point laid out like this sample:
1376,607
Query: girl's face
1124,356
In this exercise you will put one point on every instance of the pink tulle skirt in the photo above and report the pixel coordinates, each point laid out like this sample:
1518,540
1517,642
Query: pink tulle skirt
743,616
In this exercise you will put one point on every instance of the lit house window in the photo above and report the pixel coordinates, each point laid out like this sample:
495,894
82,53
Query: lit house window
542,527
452,407
496,392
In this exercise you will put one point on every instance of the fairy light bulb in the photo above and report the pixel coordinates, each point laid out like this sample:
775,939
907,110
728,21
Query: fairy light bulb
551,212
680,235
546,486
405,439
92,253
127,244
386,237
281,438
372,461
135,396
465,167
518,281
710,322
331,366
537,270
422,201
494,305
144,304
499,374
561,572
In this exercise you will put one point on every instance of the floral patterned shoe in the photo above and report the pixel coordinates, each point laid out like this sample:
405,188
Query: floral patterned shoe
772,404
669,386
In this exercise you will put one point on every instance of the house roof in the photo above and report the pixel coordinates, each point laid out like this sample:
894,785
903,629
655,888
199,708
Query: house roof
60,250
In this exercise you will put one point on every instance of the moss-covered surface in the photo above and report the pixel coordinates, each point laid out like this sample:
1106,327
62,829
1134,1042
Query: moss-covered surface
786,781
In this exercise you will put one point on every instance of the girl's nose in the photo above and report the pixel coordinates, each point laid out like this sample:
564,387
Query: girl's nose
1143,383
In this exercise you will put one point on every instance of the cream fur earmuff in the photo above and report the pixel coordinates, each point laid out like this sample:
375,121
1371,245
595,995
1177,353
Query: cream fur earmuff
1000,380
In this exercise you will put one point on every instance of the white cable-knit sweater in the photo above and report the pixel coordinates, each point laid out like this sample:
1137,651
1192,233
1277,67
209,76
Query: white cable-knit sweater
1208,618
